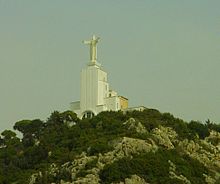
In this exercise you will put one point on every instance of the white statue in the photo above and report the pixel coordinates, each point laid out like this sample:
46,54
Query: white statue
93,48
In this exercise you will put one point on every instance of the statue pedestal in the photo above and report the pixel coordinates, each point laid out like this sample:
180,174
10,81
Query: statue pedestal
92,63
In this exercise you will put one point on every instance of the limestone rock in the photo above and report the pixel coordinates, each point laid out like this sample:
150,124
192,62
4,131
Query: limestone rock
173,175
214,138
34,177
204,152
80,163
209,179
165,136
53,170
64,182
90,178
137,126
124,147
135,179
128,147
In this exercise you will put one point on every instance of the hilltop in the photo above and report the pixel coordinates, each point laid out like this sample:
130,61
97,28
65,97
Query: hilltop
112,147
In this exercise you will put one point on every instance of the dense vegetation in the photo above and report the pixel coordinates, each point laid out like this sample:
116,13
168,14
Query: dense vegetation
153,167
63,136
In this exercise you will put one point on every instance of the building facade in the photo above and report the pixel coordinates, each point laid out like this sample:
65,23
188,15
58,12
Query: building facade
95,93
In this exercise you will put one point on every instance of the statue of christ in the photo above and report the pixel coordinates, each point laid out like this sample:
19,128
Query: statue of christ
93,47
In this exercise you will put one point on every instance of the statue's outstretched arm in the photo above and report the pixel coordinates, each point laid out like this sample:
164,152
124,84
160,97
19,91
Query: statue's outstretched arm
86,42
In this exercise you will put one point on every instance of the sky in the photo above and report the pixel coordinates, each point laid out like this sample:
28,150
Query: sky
159,54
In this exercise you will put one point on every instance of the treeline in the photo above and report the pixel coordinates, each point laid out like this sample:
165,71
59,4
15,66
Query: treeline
63,136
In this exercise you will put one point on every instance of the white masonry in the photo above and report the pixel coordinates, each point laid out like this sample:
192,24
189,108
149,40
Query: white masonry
95,95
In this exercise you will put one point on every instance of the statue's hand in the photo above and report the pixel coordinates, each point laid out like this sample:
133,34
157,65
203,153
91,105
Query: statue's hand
86,42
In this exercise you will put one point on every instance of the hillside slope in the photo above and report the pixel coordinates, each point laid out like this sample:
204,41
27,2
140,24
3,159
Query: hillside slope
136,147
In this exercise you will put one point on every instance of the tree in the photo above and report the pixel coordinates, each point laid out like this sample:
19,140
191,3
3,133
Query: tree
8,134
28,126
198,128
55,118
69,116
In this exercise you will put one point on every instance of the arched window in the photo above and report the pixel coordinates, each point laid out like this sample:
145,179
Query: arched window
88,114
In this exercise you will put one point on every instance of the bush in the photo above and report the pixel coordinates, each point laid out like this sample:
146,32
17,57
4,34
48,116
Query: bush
154,168
198,128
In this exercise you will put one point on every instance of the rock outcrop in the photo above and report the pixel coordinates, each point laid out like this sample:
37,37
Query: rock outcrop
136,126
202,150
125,147
134,179
173,175
165,136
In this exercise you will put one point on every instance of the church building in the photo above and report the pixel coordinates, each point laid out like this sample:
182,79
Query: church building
95,93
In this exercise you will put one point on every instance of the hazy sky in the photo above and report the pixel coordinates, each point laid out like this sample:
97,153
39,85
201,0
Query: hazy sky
162,54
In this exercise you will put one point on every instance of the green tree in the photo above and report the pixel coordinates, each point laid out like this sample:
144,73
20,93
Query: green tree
8,134
198,128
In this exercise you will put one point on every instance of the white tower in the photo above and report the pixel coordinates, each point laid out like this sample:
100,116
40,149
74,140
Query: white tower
95,95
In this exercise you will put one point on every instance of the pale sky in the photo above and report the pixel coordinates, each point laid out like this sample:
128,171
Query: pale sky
162,54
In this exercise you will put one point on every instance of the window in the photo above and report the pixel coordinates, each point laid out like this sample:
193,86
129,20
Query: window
88,114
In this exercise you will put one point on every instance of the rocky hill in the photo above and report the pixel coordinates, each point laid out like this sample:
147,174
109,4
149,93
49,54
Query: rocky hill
113,147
